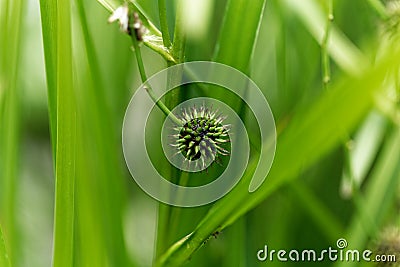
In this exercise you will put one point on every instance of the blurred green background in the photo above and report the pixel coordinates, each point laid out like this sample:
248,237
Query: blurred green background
66,78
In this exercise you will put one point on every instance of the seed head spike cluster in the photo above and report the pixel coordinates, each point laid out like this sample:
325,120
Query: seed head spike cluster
201,136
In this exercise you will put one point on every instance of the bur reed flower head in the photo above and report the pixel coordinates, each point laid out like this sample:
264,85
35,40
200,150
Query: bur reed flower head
202,135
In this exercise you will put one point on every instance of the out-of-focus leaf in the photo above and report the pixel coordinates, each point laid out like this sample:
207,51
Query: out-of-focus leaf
362,152
341,49
374,204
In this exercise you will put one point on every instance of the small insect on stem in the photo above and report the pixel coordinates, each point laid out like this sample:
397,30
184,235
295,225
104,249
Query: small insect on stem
216,234
128,24
138,27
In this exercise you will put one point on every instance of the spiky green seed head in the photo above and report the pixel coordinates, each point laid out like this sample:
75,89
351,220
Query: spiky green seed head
202,135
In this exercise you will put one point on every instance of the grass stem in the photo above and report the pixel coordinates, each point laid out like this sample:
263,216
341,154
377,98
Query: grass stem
168,216
148,88
162,10
178,47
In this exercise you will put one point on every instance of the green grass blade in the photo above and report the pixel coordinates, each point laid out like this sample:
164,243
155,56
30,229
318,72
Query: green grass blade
178,45
108,198
4,260
320,128
10,120
239,33
237,41
66,140
48,12
162,10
